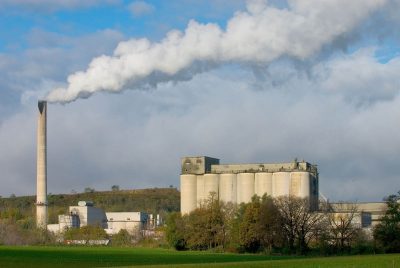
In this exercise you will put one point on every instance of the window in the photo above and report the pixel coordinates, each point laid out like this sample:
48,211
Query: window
366,219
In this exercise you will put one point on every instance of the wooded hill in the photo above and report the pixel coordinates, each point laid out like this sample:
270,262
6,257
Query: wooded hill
155,200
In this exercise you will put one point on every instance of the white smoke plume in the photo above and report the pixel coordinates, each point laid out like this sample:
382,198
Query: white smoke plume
261,34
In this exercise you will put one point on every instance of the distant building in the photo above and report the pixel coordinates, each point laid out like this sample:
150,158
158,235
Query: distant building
366,214
112,222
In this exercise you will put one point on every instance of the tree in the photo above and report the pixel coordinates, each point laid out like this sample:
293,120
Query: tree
270,224
206,226
260,227
175,231
387,232
250,233
299,223
122,238
115,188
89,190
343,231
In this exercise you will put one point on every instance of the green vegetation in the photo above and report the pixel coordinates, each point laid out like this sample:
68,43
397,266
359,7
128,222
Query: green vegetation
133,257
283,225
22,209
85,233
387,233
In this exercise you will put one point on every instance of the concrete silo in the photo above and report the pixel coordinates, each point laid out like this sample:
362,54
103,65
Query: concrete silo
238,183
300,184
211,184
188,193
194,185
227,187
201,196
245,187
280,184
263,183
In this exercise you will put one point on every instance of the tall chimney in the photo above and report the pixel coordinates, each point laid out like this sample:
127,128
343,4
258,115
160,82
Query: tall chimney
41,166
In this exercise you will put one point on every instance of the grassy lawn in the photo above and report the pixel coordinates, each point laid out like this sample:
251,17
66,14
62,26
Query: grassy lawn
105,257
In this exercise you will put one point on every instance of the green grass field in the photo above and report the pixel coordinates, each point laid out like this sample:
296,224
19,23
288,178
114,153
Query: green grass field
116,257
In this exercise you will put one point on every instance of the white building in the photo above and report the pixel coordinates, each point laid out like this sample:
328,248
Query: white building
112,222
238,183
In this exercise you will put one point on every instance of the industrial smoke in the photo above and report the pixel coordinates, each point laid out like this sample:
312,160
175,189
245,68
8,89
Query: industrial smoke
259,35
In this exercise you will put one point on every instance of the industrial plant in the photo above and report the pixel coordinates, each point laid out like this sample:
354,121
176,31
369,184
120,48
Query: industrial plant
200,177
237,183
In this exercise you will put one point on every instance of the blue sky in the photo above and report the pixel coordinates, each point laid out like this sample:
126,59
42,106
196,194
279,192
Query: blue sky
151,19
270,81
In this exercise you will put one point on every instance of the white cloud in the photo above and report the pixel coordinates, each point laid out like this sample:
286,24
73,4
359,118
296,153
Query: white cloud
136,139
250,37
140,8
340,111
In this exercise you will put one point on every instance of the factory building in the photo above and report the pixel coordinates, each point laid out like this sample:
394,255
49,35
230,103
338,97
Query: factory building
238,183
366,214
112,222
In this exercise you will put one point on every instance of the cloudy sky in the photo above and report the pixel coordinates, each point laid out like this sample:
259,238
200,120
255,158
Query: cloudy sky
136,85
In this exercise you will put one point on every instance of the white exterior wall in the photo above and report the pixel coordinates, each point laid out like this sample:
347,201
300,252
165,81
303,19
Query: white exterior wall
188,193
245,187
263,184
55,228
200,190
227,187
211,184
300,184
280,184
130,221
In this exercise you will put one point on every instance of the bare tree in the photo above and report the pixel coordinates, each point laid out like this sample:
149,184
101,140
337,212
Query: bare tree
300,224
343,229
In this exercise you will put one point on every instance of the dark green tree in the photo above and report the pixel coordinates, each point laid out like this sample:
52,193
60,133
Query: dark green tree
260,227
175,231
387,232
115,188
206,226
270,222
250,233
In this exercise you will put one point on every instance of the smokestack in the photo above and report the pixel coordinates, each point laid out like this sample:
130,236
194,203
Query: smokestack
41,166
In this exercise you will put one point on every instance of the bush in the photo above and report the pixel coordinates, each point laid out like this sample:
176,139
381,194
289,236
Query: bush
122,238
85,233
12,233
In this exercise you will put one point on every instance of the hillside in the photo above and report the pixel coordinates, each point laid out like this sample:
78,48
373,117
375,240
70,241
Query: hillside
156,200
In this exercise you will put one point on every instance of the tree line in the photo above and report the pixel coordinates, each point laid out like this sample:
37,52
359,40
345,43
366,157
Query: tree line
156,201
283,225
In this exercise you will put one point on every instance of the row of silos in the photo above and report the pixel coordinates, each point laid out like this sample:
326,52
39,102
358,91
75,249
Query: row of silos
241,187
